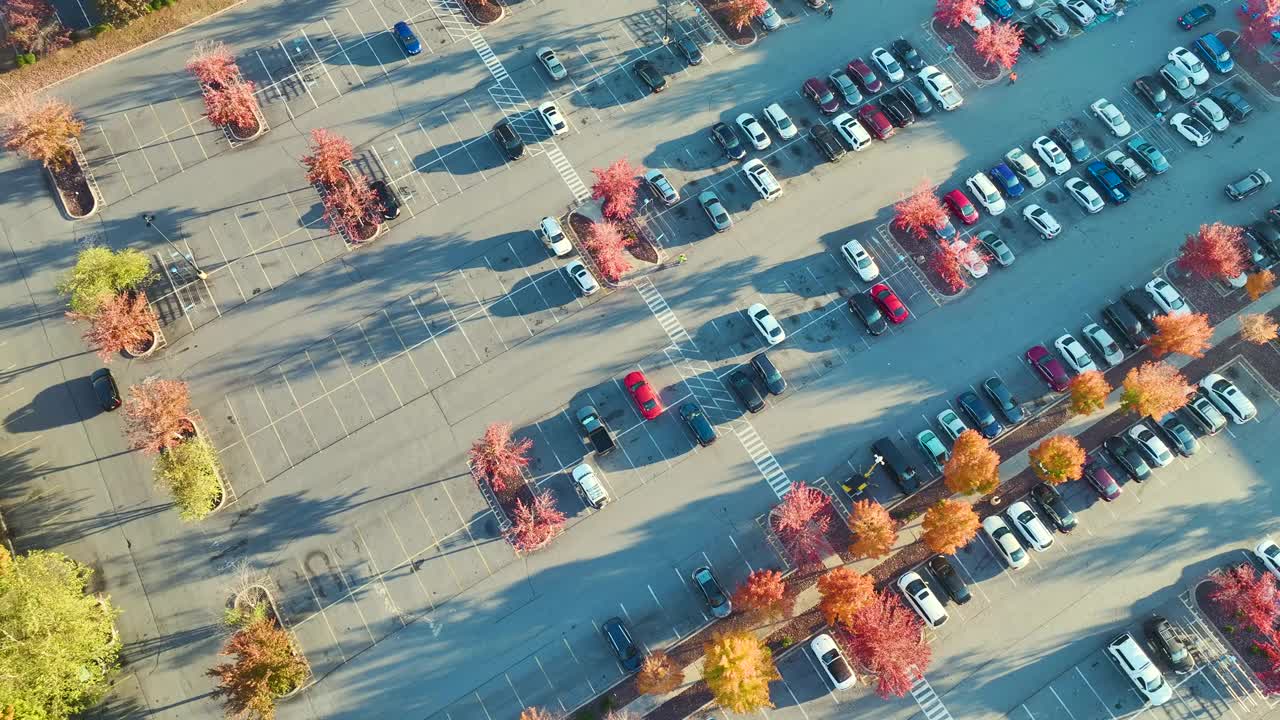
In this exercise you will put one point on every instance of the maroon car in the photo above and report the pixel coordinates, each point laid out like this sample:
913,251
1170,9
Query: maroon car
960,205
876,121
817,90
1049,368
864,76
1100,478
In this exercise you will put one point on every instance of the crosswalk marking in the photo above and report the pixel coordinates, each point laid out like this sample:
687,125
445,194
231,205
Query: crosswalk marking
667,319
929,701
759,453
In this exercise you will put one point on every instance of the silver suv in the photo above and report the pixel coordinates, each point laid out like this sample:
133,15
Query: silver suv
1248,185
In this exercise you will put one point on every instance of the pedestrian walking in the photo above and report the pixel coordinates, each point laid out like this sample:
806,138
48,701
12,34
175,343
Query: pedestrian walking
1237,141
680,260
829,10
1013,78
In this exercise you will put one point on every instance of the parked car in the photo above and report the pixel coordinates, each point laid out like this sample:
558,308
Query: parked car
1197,15
997,248
1102,341
1111,116
509,140
727,139
851,132
1167,297
951,424
939,85
1142,306
1215,53
1205,415
868,312
825,141
1152,94
551,63
1145,677
979,414
1077,10
949,579
1006,542
1268,553
582,278
897,465
899,112
916,98
1002,398
1033,35
588,486
699,425
769,374
888,301
1101,479
1153,449
552,118
1127,324
769,19
986,194
650,75
1025,166
780,121
1074,354
1052,22
959,204
1190,64
1113,187
717,599
1132,173
745,388
933,449
1228,398
1193,129
1051,154
624,648
714,209
1168,643
643,394
1127,457
754,131
1040,219
907,52
1007,181
1084,195
1212,114
876,121
1178,436
864,76
1048,368
661,187
832,662
387,199
765,184
1177,80
1232,103
105,389
688,48
1148,155
408,41
922,600
845,85
818,91
1049,500
766,324
1030,526
1248,185
1072,141
860,260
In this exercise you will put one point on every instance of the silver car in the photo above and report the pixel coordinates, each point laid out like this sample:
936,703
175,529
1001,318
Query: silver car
582,277
715,211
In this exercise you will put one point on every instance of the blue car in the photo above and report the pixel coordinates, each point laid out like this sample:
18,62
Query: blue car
1109,180
1212,51
979,414
1001,8
1007,180
407,39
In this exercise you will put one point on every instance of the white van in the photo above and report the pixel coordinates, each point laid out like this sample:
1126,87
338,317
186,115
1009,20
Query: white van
589,487
1125,652
922,600
761,179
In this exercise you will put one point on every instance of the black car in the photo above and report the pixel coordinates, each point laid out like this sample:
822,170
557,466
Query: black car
826,142
769,375
1050,501
1232,103
907,54
915,97
717,599
1000,396
898,111
624,648
1269,236
689,50
979,414
1199,14
868,312
650,75
1257,252
1152,94
949,579
697,421
1127,457
509,140
1142,305
104,386
1178,435
386,198
1071,141
727,139
1163,637
746,391
1033,35
1129,327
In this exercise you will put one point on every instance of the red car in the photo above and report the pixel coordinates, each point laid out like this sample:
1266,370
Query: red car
960,205
642,392
888,301
818,91
876,121
1048,367
863,75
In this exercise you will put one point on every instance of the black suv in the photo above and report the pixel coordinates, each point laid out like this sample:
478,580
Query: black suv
1143,306
390,203
826,142
697,421
624,648
902,471
509,140
689,50
1070,140
650,75
898,111
947,576
1049,500
746,390
1232,103
104,386
868,312
1127,456
769,374
727,139
1126,324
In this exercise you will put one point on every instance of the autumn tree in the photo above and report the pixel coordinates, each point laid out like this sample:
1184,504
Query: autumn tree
617,186
1242,592
888,639
535,524
100,274
537,713
351,207
659,674
973,467
123,323
801,522
1259,283
190,473
228,98
1259,22
59,649
1258,328
41,128
1058,459
1184,334
122,12
267,665
1000,43
949,525
954,12
326,163
1154,389
920,212
34,27
1269,649
607,246
1214,252
764,595
738,668
157,414
1088,392
948,262
738,13
874,530
212,63
843,591
499,458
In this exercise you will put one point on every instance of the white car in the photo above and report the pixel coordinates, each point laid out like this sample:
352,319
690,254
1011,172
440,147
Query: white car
582,277
951,423
765,184
860,260
1084,194
984,191
832,661
770,19
1030,526
780,121
979,21
921,599
1005,541
766,324
1106,345
1146,678
1268,553
1111,116
1025,166
1074,353
852,132
1178,80
1078,11
1233,403
711,205
970,259
1150,445
553,237
1196,132
1167,297
1051,154
552,118
588,486
887,64
551,63
940,87
662,187
1211,113
1188,61
1040,219
754,131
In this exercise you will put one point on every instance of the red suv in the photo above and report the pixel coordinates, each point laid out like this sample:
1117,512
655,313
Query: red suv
642,392
876,121
864,76
818,91
1048,368
960,205
888,301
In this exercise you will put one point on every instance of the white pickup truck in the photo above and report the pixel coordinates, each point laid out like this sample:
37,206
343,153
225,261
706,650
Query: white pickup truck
941,88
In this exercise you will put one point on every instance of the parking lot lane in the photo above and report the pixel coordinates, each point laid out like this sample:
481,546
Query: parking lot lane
389,538
317,642
366,367
457,298
182,125
341,609
252,236
529,684
525,297
489,297
148,136
114,145
399,366
558,443
380,611
284,221
428,356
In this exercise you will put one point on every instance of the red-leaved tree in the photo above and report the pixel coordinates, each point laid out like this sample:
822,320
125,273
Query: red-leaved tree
801,521
213,64
535,525
1184,334
1214,252
42,128
267,665
156,414
999,43
920,212
607,246
500,459
351,207
1244,593
954,12
887,639
1269,648
617,186
228,98
326,163
764,595
1259,18
737,13
124,323
948,261
34,26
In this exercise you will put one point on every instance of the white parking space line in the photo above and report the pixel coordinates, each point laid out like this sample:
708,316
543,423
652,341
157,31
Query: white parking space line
456,323
741,554
996,557
1095,692
139,142
464,145
1029,713
165,136
372,50
443,164
381,367
818,671
323,65
298,74
351,377
1064,705
482,707
341,48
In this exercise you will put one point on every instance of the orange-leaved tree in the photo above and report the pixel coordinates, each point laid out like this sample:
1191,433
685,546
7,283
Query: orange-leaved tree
1184,334
738,668
157,414
267,665
537,713
1257,328
1154,389
607,246
764,595
1259,283
737,13
123,323
949,525
874,530
843,592
41,128
498,458
973,467
659,674
1088,392
1058,459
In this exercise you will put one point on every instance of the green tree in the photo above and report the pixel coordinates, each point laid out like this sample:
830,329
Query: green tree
189,471
100,273
59,645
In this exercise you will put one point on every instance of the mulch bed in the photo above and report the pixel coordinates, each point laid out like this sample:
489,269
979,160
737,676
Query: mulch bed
742,38
961,40
638,246
1267,74
918,248
1240,636
1205,297
484,11
75,188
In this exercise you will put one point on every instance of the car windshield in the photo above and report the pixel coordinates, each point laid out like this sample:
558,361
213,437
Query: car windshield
1155,683
1017,555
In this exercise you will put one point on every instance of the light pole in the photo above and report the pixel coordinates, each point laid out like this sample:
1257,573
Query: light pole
666,28
150,220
